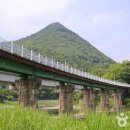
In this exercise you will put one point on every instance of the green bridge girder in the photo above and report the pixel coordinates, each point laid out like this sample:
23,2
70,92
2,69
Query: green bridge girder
22,69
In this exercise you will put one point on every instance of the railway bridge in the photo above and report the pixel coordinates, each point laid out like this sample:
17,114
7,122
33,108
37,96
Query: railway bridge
33,68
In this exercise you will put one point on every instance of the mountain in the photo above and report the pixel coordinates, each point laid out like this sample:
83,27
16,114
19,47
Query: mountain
61,44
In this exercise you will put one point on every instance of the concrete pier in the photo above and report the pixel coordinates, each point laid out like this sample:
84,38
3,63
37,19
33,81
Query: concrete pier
117,100
88,98
28,92
104,100
65,98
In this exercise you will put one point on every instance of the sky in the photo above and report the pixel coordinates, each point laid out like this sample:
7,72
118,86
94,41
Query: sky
104,23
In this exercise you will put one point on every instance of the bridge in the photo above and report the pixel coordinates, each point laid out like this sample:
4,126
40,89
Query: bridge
32,68
9,78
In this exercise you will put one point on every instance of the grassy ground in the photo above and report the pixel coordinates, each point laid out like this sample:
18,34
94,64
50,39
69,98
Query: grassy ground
44,103
9,103
29,119
48,103
16,118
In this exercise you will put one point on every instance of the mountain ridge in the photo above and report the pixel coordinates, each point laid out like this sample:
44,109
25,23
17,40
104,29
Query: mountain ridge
58,42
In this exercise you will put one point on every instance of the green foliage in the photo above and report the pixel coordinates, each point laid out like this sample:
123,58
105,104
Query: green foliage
2,95
7,94
120,72
10,97
126,73
127,102
114,72
77,97
60,43
98,71
47,93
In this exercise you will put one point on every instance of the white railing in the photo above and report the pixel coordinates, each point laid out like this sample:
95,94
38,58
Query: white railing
31,55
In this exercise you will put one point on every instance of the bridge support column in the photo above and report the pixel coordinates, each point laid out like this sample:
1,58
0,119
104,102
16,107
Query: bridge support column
117,101
104,100
88,99
65,98
28,91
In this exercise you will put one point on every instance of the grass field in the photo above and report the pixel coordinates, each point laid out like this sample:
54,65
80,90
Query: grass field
28,119
48,103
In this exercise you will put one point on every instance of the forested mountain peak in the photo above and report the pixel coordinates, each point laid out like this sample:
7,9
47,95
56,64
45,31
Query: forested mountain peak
58,42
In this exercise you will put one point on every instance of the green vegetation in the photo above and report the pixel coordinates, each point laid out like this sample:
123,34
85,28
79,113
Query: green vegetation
60,43
28,119
115,72
48,93
56,41
77,97
119,72
6,94
98,71
127,102
48,103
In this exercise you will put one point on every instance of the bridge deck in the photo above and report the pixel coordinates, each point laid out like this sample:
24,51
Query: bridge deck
13,61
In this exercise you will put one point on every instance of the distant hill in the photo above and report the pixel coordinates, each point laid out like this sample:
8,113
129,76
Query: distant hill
60,43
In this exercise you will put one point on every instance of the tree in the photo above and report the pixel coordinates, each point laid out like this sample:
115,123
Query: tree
48,93
97,71
127,102
115,72
77,96
126,73
2,95
6,94
120,72
10,97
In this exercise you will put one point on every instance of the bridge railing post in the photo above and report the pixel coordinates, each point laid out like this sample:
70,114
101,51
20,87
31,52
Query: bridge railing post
52,63
12,47
46,60
22,52
57,65
39,58
75,71
31,55
62,67
0,45
71,70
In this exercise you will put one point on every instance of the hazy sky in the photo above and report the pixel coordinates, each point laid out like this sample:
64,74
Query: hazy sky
104,23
